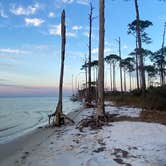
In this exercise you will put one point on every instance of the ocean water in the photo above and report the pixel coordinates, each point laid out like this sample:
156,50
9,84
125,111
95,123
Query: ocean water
23,114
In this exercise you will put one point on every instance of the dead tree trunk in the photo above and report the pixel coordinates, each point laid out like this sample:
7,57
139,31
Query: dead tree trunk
142,70
111,76
130,80
100,104
114,77
162,55
136,59
120,66
124,76
59,116
89,61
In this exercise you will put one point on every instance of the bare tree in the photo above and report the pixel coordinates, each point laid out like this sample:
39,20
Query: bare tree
100,104
121,86
162,54
89,59
141,65
136,60
108,61
58,115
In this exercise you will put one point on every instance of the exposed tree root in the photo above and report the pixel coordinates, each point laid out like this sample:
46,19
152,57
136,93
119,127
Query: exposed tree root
89,105
95,123
63,119
145,116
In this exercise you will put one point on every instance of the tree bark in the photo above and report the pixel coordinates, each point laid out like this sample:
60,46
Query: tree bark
124,76
100,105
111,76
96,84
58,111
90,47
136,59
162,54
130,80
142,71
114,83
120,66
86,78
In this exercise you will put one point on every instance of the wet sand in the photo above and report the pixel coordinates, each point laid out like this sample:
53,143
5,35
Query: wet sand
31,140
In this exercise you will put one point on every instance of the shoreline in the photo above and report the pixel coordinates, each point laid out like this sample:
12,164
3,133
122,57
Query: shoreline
31,139
120,142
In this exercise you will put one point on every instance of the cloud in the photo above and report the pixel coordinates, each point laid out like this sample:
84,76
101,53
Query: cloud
4,80
76,28
51,14
86,34
163,17
94,50
34,21
83,2
2,14
67,1
20,10
70,34
12,51
125,46
106,50
56,30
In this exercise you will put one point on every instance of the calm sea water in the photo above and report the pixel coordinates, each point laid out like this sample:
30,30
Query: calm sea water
21,115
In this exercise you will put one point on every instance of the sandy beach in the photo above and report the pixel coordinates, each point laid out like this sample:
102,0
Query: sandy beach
30,141
119,143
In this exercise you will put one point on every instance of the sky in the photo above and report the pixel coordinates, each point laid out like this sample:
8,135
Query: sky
30,42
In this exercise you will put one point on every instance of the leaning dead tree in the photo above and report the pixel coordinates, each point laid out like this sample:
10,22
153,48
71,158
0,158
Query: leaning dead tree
59,117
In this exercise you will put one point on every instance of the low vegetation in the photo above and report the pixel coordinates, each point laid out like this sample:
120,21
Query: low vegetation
154,98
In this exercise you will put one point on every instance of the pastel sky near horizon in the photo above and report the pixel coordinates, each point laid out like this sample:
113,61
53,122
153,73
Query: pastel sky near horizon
30,40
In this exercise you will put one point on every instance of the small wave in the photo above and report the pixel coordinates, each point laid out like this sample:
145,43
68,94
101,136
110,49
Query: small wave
7,128
26,112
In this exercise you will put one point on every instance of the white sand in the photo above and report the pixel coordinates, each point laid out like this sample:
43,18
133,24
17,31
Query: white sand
121,143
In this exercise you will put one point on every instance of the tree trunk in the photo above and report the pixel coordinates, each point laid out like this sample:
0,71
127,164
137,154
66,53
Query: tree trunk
114,84
136,59
111,76
86,78
162,54
130,80
96,84
58,111
133,84
100,104
94,77
89,63
124,76
142,71
120,66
